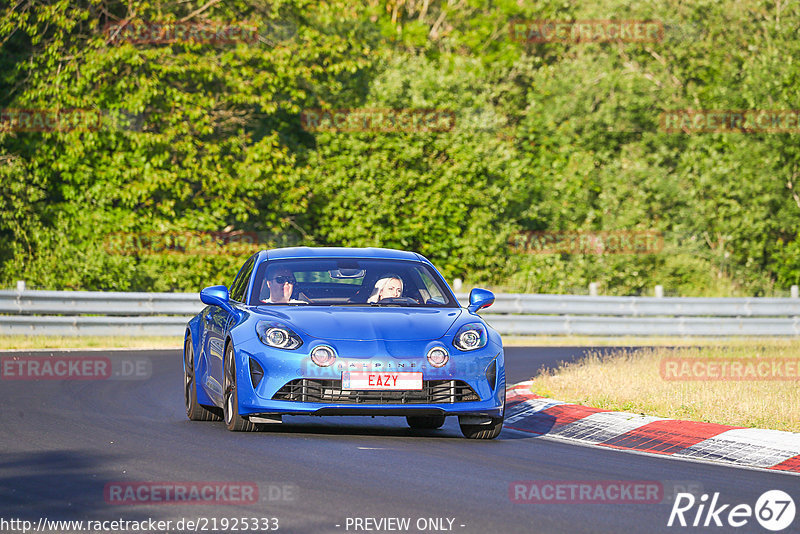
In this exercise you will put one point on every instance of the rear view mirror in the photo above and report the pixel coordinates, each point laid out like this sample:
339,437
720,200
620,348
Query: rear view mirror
479,299
347,273
217,296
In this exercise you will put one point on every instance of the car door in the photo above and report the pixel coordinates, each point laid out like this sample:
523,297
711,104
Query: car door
217,322
222,321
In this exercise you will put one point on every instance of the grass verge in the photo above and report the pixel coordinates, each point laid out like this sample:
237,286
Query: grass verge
89,342
633,381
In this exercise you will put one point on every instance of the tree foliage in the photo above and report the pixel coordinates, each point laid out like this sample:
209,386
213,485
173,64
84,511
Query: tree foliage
557,136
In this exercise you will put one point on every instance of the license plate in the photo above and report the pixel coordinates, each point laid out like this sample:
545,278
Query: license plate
367,380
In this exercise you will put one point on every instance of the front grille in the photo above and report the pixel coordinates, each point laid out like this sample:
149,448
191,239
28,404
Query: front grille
432,392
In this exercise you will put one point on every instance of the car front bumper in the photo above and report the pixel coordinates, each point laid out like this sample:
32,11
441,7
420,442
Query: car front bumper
481,371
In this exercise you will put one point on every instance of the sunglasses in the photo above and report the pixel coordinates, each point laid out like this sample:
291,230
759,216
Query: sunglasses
284,279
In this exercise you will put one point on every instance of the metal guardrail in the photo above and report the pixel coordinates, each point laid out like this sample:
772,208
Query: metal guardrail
79,325
98,303
644,306
155,314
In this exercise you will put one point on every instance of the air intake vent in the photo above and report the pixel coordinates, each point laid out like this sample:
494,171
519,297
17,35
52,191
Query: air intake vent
330,391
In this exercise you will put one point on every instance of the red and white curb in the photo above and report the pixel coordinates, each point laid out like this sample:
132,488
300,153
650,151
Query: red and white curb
751,447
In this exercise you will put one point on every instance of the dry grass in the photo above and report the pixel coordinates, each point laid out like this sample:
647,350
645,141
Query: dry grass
631,381
89,342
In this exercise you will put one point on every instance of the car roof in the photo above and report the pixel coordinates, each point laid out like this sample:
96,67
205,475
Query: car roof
342,252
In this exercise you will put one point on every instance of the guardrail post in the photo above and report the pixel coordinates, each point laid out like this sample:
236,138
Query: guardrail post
795,292
457,284
659,291
20,286
593,289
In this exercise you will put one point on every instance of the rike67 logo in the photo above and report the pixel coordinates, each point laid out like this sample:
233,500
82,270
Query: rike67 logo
774,510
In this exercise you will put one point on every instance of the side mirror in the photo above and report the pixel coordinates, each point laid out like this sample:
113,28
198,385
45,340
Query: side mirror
479,299
217,296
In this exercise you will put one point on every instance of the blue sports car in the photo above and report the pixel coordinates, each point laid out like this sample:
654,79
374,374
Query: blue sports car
343,331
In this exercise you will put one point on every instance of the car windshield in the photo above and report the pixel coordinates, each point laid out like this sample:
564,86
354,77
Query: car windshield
350,282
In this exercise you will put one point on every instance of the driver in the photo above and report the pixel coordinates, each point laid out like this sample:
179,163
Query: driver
280,282
388,287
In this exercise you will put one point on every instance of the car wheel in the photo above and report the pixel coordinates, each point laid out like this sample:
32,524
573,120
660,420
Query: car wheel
425,422
488,431
194,410
233,420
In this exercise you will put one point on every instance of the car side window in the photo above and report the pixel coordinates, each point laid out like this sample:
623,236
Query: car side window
242,280
431,287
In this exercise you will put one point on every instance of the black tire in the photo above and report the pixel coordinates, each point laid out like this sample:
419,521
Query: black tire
194,410
487,431
230,407
425,422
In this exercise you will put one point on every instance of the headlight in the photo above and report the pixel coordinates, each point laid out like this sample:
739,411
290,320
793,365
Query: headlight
471,336
438,356
277,335
323,355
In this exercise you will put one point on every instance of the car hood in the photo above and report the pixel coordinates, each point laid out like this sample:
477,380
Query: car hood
356,323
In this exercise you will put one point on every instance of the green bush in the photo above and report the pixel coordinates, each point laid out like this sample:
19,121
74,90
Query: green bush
199,137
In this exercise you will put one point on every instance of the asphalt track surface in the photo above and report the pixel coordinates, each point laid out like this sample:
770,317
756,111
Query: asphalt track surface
63,441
